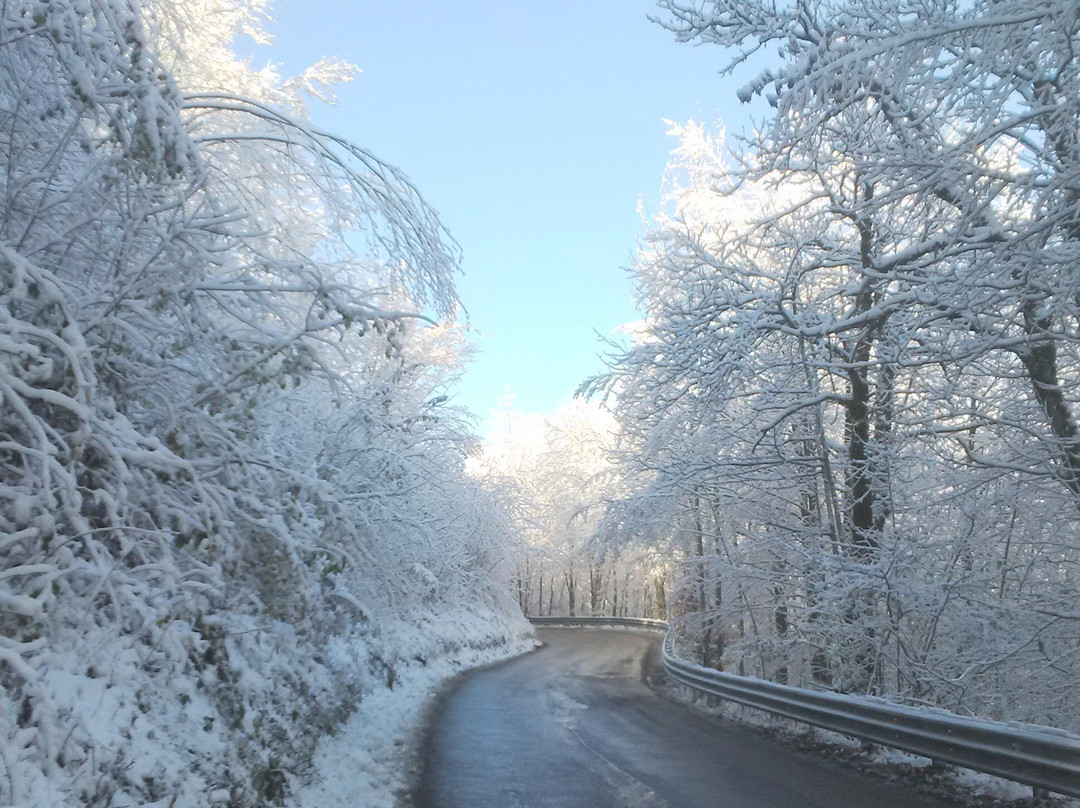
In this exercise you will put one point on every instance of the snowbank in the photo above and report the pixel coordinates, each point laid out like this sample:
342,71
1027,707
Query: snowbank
369,762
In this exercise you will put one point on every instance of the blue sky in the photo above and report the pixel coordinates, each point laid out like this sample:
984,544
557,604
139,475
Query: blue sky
534,129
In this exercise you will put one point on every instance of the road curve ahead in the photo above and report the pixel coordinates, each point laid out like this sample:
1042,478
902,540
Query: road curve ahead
574,725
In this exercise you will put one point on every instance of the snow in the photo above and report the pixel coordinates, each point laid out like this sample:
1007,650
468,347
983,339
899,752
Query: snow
235,504
370,762
232,503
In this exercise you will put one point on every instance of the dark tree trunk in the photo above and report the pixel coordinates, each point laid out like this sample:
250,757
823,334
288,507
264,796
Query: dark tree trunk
661,598
864,528
1040,362
571,591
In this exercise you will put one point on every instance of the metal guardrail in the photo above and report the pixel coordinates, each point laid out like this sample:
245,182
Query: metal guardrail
1037,756
624,622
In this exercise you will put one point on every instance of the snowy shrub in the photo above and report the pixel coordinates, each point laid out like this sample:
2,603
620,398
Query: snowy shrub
228,486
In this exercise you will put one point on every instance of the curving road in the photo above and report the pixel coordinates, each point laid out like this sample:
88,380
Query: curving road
576,725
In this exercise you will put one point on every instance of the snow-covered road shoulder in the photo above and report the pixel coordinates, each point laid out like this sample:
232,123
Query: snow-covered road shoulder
369,762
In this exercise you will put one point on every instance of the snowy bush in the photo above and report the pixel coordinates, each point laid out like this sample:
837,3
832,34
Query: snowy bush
228,485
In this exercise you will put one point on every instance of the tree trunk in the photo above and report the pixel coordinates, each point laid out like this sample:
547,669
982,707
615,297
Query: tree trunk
702,597
1040,362
780,619
596,583
661,600
571,591
864,537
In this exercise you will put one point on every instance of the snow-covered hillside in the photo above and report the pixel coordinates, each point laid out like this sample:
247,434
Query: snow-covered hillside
233,501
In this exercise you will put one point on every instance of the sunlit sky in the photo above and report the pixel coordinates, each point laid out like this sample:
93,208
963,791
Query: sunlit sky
535,129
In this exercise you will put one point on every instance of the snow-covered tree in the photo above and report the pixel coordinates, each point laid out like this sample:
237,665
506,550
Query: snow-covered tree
560,470
809,418
229,481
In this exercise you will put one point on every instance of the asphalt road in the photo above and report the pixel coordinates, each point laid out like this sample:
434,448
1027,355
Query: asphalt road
575,725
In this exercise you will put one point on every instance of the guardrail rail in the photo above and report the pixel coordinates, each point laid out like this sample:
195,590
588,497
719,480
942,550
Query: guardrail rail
1041,757
623,622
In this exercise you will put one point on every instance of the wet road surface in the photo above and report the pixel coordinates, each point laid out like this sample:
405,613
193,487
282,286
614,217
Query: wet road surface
575,725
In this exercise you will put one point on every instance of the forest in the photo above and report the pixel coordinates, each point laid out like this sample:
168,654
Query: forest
839,449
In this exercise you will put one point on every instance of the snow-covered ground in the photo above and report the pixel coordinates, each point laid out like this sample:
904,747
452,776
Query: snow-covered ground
251,714
370,762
